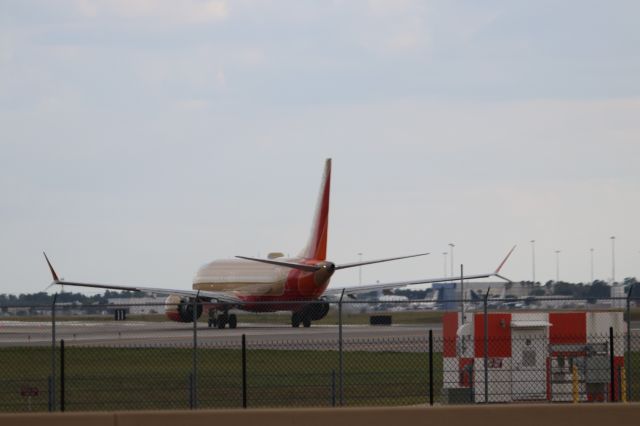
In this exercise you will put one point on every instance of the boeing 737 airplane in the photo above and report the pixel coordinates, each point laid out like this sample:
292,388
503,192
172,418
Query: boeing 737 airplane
297,284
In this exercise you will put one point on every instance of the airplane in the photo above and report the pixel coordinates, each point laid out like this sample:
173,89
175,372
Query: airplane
298,284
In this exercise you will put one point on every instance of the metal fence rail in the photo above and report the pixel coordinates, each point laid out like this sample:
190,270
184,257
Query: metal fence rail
58,361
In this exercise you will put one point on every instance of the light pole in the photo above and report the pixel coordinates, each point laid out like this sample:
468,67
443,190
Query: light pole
591,250
613,259
444,254
533,260
557,265
360,269
452,246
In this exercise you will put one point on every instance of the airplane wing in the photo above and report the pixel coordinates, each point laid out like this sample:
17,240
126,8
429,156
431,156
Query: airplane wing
351,291
214,296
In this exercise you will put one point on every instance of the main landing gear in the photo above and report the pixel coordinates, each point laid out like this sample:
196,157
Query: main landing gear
311,312
301,317
221,320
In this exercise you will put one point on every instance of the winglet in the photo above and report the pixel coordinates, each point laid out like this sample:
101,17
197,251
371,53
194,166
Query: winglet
53,272
497,271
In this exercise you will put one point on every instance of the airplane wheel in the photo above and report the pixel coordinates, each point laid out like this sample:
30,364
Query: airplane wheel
306,321
222,321
233,321
295,319
211,321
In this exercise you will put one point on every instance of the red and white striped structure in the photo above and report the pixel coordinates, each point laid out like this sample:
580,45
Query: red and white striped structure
531,355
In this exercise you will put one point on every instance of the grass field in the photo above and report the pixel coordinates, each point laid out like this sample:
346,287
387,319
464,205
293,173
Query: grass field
158,378
151,378
298,374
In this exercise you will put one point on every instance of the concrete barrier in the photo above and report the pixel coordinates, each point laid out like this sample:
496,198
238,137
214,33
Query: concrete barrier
494,415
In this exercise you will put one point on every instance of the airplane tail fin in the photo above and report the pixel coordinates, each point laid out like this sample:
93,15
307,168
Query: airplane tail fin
316,247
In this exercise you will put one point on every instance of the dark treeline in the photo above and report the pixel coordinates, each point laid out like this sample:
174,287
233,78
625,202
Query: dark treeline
595,290
44,298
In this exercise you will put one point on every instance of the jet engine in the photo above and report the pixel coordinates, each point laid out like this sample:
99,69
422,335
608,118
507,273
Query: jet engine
180,309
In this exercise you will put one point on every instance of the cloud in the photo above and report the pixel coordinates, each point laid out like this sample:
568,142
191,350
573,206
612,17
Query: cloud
6,48
389,8
394,26
221,80
183,12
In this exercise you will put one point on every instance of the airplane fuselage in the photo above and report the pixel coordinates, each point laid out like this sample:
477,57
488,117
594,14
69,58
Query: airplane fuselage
260,282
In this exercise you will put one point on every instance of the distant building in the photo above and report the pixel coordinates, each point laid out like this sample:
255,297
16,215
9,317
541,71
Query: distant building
618,296
18,311
138,305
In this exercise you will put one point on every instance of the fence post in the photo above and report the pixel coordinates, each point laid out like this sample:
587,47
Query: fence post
462,293
627,361
486,347
244,371
194,366
52,395
340,354
430,367
62,375
612,371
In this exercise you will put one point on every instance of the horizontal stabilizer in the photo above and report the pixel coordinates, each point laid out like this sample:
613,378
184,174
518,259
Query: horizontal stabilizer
369,262
292,265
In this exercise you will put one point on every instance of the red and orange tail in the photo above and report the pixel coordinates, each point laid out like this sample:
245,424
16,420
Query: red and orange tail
316,247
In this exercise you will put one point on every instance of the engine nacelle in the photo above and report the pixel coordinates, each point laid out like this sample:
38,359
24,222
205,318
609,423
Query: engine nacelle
180,309
318,310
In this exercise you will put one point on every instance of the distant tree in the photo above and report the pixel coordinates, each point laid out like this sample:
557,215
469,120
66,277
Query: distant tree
538,291
597,290
42,298
562,288
629,282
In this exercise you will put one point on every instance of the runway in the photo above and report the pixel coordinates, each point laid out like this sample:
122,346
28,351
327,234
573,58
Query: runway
147,333
125,333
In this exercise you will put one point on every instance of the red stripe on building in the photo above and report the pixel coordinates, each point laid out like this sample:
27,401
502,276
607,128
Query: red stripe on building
567,327
449,333
499,336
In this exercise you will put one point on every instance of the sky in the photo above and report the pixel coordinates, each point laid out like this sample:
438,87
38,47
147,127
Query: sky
140,139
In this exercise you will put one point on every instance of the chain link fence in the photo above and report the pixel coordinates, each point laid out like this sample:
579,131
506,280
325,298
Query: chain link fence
373,353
